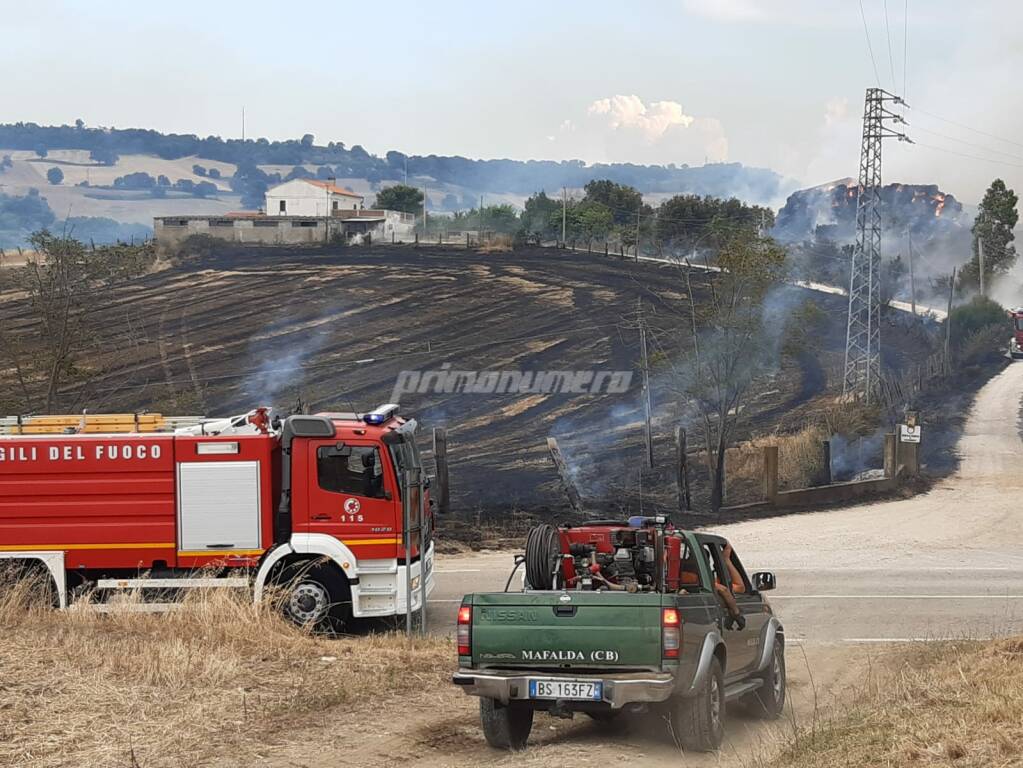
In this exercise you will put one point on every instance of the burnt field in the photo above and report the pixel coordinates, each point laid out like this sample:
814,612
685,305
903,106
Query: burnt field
334,329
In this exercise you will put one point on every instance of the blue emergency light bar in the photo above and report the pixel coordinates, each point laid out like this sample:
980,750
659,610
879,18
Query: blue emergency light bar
381,414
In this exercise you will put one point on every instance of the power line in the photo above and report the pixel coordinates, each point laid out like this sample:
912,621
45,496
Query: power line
966,127
905,45
969,143
968,157
888,34
870,48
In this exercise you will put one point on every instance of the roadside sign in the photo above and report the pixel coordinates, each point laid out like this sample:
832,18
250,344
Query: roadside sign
908,434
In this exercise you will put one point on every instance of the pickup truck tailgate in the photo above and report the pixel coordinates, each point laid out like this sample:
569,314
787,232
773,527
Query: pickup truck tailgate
588,630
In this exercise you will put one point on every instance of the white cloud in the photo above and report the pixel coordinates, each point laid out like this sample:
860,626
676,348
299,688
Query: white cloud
622,128
789,13
726,10
629,112
836,111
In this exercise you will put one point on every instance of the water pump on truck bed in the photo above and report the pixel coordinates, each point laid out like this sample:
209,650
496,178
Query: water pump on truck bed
643,555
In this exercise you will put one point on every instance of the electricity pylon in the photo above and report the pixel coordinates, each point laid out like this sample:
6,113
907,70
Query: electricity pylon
863,333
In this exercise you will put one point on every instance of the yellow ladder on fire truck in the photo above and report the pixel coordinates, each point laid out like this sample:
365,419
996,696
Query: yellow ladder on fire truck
104,423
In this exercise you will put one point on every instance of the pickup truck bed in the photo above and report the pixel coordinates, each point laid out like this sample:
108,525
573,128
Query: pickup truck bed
602,652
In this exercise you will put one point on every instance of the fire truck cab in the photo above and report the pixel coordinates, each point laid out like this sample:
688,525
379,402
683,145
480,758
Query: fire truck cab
1016,342
330,510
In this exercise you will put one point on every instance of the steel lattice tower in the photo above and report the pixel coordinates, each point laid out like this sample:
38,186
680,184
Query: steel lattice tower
863,333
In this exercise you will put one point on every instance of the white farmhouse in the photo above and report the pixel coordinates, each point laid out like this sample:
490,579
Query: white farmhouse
310,197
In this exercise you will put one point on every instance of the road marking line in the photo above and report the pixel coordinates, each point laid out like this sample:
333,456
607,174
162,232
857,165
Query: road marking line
928,569
864,640
896,597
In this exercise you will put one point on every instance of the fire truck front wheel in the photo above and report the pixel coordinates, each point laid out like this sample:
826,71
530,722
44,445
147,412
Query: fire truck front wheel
316,595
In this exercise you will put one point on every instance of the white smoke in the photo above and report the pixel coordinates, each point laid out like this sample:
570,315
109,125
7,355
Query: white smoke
624,128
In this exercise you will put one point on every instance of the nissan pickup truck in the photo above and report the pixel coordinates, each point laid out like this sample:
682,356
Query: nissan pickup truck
620,617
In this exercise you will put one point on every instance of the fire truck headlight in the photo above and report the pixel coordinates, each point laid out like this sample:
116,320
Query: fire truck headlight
415,582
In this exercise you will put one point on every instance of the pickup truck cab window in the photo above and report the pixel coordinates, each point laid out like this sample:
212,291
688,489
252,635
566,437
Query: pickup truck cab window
743,585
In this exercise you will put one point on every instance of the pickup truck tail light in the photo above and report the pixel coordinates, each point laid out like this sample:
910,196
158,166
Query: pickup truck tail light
671,633
463,635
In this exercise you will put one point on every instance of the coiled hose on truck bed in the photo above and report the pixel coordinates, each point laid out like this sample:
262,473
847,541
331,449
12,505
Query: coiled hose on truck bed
543,555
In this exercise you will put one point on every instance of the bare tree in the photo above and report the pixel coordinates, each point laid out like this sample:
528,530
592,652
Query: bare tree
47,344
729,345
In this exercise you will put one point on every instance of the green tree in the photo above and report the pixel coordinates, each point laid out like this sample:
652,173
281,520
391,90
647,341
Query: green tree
622,200
500,218
400,198
588,221
994,224
538,216
55,175
104,156
686,221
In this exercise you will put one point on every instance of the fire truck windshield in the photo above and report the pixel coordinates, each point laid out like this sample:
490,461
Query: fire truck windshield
1019,322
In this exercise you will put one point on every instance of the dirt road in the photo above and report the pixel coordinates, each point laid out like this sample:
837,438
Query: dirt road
947,563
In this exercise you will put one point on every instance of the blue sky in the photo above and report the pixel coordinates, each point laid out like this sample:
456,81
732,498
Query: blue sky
776,83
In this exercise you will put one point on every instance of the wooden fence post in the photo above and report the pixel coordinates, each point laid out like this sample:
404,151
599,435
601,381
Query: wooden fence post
574,499
771,473
890,455
685,502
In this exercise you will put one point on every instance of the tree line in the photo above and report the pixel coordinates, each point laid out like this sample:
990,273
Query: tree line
606,211
512,176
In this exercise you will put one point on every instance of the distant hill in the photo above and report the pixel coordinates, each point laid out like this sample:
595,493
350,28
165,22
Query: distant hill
460,179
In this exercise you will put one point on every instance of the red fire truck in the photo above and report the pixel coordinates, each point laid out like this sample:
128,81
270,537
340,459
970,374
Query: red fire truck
333,508
1016,342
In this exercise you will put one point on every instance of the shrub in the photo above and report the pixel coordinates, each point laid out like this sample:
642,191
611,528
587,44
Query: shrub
977,314
986,345
55,175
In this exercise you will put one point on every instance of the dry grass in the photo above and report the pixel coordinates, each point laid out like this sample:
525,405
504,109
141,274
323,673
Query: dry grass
800,454
800,460
497,244
139,690
943,704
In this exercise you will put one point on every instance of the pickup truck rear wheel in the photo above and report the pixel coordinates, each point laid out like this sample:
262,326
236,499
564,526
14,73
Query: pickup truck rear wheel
768,701
698,722
506,726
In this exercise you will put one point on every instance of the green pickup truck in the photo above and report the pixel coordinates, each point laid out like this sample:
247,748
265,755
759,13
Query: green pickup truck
623,617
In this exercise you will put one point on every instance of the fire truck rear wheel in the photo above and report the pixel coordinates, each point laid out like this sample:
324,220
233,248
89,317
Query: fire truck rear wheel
316,596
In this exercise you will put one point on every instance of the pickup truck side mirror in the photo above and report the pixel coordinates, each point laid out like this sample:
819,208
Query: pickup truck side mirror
763,581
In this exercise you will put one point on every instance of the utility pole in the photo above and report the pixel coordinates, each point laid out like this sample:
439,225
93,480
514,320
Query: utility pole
863,331
948,319
980,263
564,213
638,209
406,171
243,123
646,387
424,209
912,278
481,221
